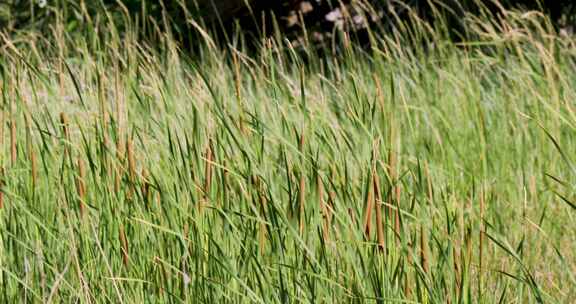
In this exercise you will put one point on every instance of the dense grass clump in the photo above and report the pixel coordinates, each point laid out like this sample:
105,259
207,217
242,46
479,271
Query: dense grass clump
426,172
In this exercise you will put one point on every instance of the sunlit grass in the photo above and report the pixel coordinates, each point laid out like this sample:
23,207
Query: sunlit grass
422,173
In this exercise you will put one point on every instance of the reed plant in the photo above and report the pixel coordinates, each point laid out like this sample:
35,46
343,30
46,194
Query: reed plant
418,170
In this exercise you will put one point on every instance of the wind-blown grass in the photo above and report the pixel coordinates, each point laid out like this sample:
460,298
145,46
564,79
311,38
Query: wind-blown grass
135,175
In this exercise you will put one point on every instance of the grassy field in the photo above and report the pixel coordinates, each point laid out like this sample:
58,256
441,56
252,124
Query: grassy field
426,172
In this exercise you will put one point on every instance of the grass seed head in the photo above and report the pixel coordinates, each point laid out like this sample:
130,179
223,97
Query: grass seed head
64,124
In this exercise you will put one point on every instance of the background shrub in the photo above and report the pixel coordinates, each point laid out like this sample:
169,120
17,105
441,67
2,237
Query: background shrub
253,16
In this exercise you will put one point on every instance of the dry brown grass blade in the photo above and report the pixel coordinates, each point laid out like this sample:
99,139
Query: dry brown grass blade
378,206
323,209
369,207
456,264
330,213
424,259
124,246
379,94
81,186
264,211
117,179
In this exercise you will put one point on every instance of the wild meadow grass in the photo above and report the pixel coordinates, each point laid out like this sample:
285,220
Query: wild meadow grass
418,171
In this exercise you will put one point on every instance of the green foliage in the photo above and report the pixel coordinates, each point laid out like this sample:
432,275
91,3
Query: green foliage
39,15
425,172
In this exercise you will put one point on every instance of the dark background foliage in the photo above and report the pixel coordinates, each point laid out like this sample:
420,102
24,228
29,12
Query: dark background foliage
256,18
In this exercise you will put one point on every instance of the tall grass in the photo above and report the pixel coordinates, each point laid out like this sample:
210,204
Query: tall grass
425,172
